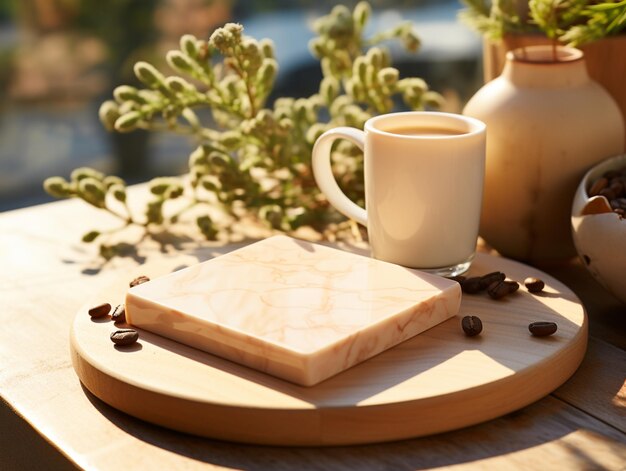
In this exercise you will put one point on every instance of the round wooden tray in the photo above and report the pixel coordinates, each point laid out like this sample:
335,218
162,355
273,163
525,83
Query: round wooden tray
437,381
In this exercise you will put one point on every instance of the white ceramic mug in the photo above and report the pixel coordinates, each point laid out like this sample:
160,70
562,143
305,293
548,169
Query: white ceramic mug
424,176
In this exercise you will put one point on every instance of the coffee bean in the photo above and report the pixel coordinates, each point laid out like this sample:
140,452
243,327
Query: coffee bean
542,329
534,285
472,285
471,325
618,203
100,310
616,187
608,194
611,174
457,278
499,289
119,314
599,185
612,185
139,280
489,278
124,337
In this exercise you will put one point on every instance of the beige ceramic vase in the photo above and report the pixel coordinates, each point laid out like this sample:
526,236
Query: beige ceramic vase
547,124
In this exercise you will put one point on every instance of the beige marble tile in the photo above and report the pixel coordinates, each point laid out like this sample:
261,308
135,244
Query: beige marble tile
299,311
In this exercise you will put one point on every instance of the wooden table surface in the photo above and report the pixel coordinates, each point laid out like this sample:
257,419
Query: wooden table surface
48,421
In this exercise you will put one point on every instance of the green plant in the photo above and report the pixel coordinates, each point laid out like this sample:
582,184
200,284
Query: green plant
571,22
600,20
253,158
493,19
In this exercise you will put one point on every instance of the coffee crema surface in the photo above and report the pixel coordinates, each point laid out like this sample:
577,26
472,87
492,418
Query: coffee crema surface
423,131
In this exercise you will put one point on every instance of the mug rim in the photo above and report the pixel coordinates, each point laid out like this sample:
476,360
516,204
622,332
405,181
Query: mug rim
476,126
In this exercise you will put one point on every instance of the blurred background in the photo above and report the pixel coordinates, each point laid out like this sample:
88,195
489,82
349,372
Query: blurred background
59,59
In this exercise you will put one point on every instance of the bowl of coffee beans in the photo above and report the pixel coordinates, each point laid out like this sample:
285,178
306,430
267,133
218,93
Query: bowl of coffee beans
599,223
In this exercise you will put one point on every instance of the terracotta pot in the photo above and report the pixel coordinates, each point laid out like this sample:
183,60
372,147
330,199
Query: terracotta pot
547,123
606,61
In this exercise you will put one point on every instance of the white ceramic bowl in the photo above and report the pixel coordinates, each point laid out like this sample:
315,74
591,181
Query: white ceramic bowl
599,234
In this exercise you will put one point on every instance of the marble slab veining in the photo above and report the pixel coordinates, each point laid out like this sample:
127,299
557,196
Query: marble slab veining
296,310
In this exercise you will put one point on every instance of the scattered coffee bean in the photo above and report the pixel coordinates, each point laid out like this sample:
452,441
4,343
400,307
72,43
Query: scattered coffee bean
139,280
542,329
457,278
500,289
490,278
471,325
534,285
472,285
100,310
124,337
119,314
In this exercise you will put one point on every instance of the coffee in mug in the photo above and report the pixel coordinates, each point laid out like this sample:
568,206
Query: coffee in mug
423,131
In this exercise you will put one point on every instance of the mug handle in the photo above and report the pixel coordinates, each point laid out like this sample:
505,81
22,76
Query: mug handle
323,173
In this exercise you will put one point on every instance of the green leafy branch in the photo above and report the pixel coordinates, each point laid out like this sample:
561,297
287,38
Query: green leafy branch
601,20
253,158
493,19
571,22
